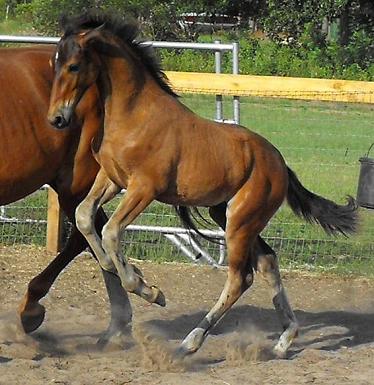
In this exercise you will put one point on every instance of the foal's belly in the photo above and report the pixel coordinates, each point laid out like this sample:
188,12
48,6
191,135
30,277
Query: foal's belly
175,200
195,181
196,194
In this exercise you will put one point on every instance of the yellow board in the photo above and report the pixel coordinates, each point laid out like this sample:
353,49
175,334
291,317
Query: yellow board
273,86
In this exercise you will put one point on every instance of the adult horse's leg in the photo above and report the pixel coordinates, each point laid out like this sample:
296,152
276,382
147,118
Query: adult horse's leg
32,312
120,306
267,267
102,191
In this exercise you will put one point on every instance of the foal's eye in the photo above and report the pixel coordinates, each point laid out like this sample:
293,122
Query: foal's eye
73,67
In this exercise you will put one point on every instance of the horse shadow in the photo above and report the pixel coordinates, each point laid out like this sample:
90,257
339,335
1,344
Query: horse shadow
327,330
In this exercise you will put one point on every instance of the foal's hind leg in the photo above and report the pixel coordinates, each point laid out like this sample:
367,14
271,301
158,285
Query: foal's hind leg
267,267
242,228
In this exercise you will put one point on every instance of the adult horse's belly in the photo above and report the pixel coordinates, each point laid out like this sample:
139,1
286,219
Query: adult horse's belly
23,169
30,153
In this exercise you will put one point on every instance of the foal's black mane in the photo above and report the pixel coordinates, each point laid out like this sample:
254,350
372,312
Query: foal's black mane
127,32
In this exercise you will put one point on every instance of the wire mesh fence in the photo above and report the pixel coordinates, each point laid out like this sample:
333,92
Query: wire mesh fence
25,221
320,141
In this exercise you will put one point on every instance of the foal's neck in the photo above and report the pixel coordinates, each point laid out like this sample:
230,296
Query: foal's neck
121,82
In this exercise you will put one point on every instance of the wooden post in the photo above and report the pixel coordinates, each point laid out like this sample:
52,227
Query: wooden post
54,223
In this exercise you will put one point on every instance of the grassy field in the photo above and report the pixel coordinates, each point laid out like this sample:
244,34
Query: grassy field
321,142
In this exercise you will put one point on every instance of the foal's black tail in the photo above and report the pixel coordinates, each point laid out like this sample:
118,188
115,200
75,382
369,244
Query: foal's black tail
332,217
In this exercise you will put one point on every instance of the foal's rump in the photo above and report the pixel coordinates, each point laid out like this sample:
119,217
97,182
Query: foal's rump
229,156
266,159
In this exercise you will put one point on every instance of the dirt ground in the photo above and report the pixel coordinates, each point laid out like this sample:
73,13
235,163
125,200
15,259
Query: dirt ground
335,346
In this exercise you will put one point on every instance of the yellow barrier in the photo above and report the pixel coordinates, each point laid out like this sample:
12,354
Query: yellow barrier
273,86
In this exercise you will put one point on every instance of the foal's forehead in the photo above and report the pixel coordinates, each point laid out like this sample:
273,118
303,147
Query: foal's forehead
66,48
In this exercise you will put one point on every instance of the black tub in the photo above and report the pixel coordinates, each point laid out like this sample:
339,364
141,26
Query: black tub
365,190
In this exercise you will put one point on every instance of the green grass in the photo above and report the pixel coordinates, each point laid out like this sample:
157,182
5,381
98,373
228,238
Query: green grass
322,143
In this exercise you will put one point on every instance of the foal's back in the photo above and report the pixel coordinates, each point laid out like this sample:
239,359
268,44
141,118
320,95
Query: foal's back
210,161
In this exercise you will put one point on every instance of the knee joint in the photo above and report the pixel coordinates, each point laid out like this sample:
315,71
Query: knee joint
83,219
109,238
108,265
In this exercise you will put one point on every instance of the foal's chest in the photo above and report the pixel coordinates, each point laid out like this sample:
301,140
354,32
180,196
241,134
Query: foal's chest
119,160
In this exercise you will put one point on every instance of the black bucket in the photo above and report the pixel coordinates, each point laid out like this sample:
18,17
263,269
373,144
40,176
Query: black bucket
365,190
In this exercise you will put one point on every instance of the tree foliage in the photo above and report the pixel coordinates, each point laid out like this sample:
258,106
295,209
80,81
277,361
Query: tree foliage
289,17
303,25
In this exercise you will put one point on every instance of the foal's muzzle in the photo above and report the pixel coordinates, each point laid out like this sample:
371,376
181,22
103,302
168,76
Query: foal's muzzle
61,119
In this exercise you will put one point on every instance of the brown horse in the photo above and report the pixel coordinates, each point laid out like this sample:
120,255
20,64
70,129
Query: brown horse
156,148
32,155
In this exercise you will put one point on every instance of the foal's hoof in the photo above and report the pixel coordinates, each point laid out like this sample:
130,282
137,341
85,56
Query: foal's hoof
181,353
184,351
279,353
191,343
32,318
158,296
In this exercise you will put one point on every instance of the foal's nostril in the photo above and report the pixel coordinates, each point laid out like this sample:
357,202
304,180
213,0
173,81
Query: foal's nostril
59,121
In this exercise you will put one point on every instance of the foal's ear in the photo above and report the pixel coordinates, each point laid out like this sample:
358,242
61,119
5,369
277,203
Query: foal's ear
91,34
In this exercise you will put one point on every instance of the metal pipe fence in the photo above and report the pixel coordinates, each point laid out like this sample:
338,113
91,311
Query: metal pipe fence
217,47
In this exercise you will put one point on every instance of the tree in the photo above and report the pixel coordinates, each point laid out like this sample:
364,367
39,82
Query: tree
289,17
356,16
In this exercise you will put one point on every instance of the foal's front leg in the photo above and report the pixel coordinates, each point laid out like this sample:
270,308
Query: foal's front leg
138,196
101,192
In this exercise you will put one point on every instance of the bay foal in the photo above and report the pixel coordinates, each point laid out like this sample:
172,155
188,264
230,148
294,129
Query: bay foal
156,148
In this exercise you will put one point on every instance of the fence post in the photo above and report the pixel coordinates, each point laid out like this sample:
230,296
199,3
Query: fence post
219,102
235,71
54,223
